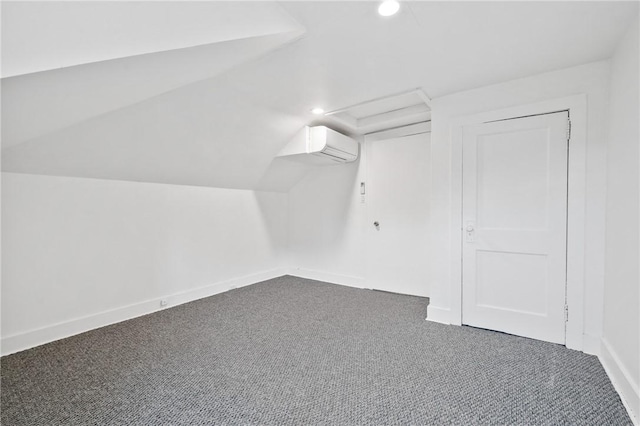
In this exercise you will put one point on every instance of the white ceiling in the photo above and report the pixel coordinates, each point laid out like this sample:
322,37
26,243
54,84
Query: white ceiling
217,114
41,103
349,54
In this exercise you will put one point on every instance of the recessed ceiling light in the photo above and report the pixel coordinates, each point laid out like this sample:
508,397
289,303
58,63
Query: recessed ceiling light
317,111
388,7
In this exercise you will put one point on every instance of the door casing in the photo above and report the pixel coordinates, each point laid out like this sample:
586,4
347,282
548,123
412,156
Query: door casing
577,107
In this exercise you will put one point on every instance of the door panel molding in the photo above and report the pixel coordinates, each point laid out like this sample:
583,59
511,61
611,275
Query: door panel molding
577,107
514,255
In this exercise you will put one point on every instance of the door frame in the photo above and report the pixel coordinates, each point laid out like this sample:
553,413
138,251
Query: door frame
577,107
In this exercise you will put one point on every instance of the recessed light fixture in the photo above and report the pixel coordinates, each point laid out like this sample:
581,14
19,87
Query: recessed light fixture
388,7
317,111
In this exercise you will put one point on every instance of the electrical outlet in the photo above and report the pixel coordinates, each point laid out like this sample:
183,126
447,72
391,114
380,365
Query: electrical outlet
164,302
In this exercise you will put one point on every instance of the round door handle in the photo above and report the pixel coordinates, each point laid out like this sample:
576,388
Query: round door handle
376,224
470,228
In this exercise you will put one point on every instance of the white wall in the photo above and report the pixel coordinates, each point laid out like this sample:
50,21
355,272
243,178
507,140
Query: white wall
330,227
325,225
590,79
622,279
79,253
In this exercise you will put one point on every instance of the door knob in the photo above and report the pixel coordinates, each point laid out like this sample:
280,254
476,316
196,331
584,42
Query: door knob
470,230
376,223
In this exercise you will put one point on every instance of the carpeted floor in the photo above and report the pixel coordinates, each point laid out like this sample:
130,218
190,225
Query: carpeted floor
300,352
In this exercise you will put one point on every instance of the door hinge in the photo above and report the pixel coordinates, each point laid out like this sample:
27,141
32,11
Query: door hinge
566,313
568,129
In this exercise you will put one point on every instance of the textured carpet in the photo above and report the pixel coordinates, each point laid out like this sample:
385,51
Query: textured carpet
301,352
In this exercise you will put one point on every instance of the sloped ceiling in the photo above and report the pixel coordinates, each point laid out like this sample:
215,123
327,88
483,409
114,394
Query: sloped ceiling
41,103
187,106
46,35
202,134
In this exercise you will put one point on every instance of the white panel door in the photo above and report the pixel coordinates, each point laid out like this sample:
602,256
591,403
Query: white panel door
398,200
514,226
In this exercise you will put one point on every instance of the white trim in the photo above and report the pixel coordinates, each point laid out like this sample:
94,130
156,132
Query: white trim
418,91
426,99
456,224
622,381
399,132
577,106
437,314
32,338
346,280
591,344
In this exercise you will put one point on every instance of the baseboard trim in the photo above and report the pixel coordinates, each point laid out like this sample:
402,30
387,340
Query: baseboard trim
622,381
22,341
346,280
591,344
439,315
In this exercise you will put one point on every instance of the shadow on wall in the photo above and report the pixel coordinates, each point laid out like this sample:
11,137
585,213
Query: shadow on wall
272,208
283,174
325,220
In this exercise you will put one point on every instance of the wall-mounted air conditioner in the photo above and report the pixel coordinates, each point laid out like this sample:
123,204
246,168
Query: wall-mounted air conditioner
321,145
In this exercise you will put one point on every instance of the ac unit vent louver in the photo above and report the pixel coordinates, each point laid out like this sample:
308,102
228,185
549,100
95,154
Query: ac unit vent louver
321,145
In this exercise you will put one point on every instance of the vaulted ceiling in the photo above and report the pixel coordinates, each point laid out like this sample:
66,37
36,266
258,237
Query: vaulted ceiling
207,93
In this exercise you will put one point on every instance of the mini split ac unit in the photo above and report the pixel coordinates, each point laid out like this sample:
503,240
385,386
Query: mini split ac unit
321,145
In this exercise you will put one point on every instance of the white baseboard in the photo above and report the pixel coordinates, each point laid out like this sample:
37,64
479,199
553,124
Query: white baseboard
591,344
622,381
32,338
440,315
328,277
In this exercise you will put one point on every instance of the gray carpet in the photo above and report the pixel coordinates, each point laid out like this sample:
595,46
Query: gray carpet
300,352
